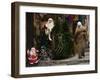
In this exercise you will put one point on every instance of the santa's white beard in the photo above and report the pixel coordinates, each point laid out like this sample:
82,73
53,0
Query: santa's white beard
50,26
49,29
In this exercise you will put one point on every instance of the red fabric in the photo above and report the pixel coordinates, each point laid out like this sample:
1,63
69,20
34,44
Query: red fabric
32,59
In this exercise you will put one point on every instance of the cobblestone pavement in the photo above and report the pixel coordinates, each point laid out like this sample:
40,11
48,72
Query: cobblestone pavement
69,61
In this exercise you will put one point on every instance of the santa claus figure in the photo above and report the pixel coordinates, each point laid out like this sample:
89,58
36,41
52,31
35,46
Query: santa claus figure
32,56
49,26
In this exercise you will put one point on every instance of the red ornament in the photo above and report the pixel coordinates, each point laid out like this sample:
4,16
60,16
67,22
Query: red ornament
32,56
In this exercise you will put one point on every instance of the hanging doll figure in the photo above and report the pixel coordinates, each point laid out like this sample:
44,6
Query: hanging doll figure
45,35
32,56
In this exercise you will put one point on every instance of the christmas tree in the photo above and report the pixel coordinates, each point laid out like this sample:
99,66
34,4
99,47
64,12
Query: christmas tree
62,40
